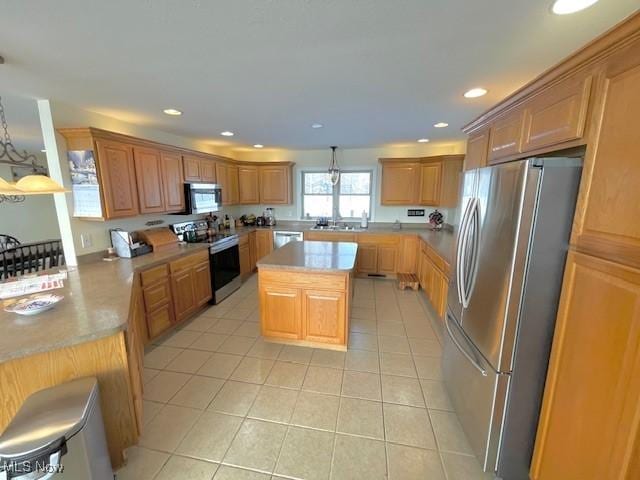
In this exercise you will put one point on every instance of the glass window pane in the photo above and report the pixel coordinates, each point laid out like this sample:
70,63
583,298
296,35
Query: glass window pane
317,183
355,182
317,205
353,205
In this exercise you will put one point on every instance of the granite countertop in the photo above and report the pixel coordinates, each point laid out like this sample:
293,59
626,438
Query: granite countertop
95,305
316,256
442,241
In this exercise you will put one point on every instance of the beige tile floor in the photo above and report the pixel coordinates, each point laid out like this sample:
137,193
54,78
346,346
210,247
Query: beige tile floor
222,403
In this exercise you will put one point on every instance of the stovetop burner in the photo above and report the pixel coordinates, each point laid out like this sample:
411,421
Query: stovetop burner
197,232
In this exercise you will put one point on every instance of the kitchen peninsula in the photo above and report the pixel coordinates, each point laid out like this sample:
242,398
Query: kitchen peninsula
304,292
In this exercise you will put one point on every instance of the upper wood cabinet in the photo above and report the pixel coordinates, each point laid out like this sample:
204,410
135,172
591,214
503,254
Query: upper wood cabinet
589,419
207,171
172,181
399,182
608,212
556,116
432,181
191,168
233,187
477,149
148,166
248,185
117,177
506,136
275,184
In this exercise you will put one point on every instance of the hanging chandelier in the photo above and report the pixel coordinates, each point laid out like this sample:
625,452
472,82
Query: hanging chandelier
28,185
334,171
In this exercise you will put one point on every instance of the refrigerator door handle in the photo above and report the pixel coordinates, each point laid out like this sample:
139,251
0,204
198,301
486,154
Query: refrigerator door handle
474,233
462,266
472,360
459,250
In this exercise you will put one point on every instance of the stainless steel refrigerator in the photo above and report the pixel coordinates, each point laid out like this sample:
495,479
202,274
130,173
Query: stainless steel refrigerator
515,222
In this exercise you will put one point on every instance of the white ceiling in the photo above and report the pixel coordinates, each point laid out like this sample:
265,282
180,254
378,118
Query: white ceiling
372,71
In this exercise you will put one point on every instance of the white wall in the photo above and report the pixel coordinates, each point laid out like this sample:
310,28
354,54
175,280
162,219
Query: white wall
360,158
32,220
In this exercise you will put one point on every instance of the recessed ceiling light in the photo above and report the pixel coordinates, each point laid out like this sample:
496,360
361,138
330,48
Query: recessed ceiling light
257,145
227,133
172,111
475,92
423,140
317,125
564,7
441,125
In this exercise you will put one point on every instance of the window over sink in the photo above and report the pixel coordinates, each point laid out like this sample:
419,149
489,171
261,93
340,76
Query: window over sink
347,199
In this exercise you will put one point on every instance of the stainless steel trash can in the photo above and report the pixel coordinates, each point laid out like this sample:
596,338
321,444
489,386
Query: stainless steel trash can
58,432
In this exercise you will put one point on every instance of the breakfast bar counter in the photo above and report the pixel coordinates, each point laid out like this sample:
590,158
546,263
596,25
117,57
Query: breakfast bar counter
305,292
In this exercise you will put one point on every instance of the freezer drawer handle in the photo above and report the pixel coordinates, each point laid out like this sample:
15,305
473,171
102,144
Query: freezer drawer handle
472,360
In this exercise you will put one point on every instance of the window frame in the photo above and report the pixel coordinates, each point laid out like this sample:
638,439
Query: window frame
335,193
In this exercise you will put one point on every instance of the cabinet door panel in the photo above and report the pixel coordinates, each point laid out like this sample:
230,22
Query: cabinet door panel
173,182
590,413
248,185
275,184
430,178
399,183
183,294
264,243
118,179
387,258
191,168
609,205
477,149
159,321
149,179
232,177
202,283
367,258
323,316
506,137
207,170
252,250
222,175
245,259
557,116
280,312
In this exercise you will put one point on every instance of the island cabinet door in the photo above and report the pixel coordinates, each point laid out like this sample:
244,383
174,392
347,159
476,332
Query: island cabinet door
280,312
324,316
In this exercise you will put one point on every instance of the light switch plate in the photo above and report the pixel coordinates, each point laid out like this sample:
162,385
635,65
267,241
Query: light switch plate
86,240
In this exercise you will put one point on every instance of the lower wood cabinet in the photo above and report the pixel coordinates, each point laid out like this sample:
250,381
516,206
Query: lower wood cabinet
367,259
280,311
172,292
589,426
264,243
246,248
432,278
323,316
253,254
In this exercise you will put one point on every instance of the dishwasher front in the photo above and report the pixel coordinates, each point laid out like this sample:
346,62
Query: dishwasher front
281,237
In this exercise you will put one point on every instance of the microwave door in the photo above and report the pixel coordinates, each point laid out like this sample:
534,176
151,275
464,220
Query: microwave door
205,200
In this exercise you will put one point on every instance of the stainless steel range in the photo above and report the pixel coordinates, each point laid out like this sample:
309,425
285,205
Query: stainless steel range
224,255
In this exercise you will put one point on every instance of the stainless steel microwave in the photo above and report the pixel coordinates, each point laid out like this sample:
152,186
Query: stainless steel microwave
202,197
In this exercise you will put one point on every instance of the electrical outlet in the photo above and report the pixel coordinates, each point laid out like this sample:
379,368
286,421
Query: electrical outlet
86,240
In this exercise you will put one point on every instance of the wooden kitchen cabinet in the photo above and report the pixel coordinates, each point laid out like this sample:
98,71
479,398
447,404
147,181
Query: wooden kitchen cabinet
323,316
264,243
207,171
202,283
183,288
275,184
506,137
172,182
280,311
320,236
249,193
157,300
148,166
409,254
433,277
387,258
477,150
245,256
367,259
191,168
558,115
589,420
399,182
234,192
253,256
190,283
430,180
228,179
117,177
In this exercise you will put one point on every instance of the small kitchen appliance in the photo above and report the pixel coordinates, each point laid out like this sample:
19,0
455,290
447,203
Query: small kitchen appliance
270,217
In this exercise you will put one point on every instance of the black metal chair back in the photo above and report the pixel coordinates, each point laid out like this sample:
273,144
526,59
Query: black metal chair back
31,257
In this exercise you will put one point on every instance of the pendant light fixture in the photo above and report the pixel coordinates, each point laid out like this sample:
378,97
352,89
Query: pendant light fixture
28,185
334,171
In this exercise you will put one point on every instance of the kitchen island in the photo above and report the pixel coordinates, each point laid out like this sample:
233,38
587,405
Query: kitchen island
304,292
